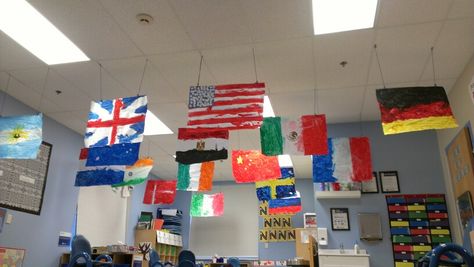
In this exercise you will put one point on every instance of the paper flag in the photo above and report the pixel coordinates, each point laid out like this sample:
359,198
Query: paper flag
137,173
250,166
287,172
273,189
120,154
411,109
195,177
20,136
349,160
97,175
116,121
204,205
228,107
306,135
159,192
287,205
196,145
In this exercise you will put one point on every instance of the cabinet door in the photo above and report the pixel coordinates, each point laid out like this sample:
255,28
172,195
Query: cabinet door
343,261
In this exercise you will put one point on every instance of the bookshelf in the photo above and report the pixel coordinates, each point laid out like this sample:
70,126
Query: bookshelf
167,245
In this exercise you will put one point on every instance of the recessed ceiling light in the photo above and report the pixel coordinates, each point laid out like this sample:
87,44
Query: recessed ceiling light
267,107
285,161
154,126
343,15
24,24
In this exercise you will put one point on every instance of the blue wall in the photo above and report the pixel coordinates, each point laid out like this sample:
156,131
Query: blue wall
416,158
39,234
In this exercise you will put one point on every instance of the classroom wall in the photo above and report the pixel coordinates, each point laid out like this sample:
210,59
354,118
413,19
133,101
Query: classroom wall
463,110
39,234
416,158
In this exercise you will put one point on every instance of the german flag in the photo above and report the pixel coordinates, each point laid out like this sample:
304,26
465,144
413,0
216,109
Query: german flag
410,109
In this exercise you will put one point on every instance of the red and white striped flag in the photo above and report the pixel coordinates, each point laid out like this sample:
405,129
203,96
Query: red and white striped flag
230,107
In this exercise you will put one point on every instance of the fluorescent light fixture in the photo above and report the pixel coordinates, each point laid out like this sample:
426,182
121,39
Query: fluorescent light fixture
267,107
24,24
154,126
285,161
343,15
174,156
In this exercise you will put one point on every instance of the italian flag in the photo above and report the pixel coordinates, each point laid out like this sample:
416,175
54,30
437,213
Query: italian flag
306,135
137,173
195,177
204,205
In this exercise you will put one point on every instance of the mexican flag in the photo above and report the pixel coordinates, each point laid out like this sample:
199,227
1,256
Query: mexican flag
204,205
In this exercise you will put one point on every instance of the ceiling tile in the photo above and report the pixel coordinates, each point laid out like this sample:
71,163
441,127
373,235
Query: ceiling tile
395,13
278,19
213,23
88,24
403,52
14,57
341,105
294,104
285,66
332,49
461,9
164,34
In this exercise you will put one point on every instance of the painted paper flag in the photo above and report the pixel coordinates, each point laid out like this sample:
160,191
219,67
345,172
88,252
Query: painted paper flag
230,107
287,172
116,121
412,109
159,192
120,154
204,205
195,177
97,175
250,166
20,136
287,205
349,160
273,189
306,135
137,173
196,145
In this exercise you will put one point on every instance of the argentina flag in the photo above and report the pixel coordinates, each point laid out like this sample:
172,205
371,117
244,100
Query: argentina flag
116,121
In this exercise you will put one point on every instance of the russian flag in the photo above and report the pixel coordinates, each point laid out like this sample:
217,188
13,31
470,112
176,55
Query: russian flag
287,205
348,160
97,175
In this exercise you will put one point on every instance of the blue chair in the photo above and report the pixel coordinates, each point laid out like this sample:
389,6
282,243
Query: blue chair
154,259
81,254
186,263
450,252
186,255
235,262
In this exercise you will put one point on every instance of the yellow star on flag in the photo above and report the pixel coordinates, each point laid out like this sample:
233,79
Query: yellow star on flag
240,160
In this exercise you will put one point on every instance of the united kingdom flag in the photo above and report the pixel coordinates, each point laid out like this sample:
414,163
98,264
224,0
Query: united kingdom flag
116,121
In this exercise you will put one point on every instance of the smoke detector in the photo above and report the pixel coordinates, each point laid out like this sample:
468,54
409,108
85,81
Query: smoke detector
144,19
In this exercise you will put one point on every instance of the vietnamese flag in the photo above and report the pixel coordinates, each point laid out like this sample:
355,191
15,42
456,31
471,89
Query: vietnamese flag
412,109
250,166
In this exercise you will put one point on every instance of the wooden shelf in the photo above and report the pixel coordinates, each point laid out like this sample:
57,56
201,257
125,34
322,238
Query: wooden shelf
337,194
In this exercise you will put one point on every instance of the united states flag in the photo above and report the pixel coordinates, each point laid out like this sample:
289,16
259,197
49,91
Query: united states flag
231,106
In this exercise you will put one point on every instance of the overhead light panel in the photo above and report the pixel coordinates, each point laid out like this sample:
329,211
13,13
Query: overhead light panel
24,24
267,107
331,16
154,126
285,161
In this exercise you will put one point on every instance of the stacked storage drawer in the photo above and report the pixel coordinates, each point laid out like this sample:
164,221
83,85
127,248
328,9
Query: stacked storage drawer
417,224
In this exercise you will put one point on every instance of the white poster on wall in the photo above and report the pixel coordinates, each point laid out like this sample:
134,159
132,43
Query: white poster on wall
471,89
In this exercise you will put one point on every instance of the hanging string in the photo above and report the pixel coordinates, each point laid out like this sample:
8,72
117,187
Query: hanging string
100,82
432,63
315,91
200,67
5,94
378,62
143,76
44,89
254,65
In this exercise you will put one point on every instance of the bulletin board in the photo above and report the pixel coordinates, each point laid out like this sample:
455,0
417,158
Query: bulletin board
460,161
22,182
11,257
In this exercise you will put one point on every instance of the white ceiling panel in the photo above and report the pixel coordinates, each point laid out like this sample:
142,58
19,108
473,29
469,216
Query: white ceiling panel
285,66
332,49
453,49
278,19
89,26
283,103
461,9
213,23
164,34
403,52
340,104
403,12
13,56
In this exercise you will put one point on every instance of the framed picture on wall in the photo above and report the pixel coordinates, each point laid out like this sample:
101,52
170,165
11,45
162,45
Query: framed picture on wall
464,202
340,219
371,186
389,182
